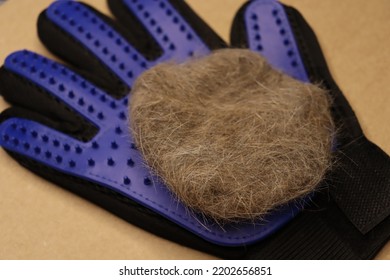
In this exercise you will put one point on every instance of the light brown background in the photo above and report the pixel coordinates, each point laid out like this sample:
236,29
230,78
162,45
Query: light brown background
41,221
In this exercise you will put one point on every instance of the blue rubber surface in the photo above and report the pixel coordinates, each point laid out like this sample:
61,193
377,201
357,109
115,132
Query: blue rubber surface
270,34
111,158
174,35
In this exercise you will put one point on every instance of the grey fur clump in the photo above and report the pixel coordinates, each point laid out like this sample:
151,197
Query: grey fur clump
230,136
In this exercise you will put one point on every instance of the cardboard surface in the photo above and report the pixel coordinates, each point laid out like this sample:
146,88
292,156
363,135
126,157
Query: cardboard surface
41,221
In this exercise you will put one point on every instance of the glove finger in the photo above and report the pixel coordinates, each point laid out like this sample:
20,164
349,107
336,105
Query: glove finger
263,26
38,84
88,40
171,24
284,38
36,141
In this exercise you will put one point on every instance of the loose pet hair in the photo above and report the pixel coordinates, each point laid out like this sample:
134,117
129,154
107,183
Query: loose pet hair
229,135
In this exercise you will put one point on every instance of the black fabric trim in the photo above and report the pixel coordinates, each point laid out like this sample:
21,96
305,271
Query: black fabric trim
84,62
35,103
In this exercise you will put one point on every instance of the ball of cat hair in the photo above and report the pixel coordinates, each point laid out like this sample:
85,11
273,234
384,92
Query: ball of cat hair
230,136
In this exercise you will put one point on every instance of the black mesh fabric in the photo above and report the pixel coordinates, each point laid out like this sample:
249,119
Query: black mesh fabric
362,182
